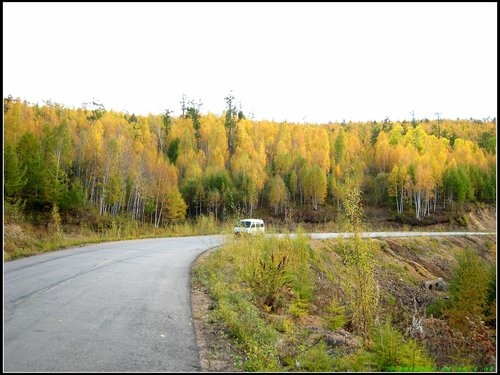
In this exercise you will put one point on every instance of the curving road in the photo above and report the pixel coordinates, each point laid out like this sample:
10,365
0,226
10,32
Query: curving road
112,307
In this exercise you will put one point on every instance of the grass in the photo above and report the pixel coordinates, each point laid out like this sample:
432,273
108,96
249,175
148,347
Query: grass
22,240
265,289
263,280
281,299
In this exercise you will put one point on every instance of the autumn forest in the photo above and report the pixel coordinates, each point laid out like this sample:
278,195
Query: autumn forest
162,169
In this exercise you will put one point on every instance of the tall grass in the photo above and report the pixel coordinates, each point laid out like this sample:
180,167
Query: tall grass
252,278
272,297
29,239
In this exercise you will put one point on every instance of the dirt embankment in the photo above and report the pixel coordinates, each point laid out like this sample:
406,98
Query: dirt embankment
484,219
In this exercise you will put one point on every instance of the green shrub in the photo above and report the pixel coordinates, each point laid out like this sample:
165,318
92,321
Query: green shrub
336,317
316,359
469,288
362,288
359,361
437,308
271,276
391,350
298,308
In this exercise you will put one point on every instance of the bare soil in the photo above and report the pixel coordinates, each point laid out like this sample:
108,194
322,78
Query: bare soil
216,351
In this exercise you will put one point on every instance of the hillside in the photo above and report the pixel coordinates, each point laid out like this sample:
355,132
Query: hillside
413,277
91,167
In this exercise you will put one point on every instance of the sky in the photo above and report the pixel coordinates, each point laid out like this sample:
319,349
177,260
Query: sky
294,62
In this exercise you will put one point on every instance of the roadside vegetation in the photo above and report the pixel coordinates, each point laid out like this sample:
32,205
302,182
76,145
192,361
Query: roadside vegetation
352,304
24,238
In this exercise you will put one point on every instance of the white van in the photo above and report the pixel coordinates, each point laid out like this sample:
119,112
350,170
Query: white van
250,226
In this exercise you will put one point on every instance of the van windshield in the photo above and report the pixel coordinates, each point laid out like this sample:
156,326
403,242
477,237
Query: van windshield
245,224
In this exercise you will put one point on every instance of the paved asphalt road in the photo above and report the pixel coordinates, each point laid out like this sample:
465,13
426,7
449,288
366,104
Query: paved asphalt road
112,307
